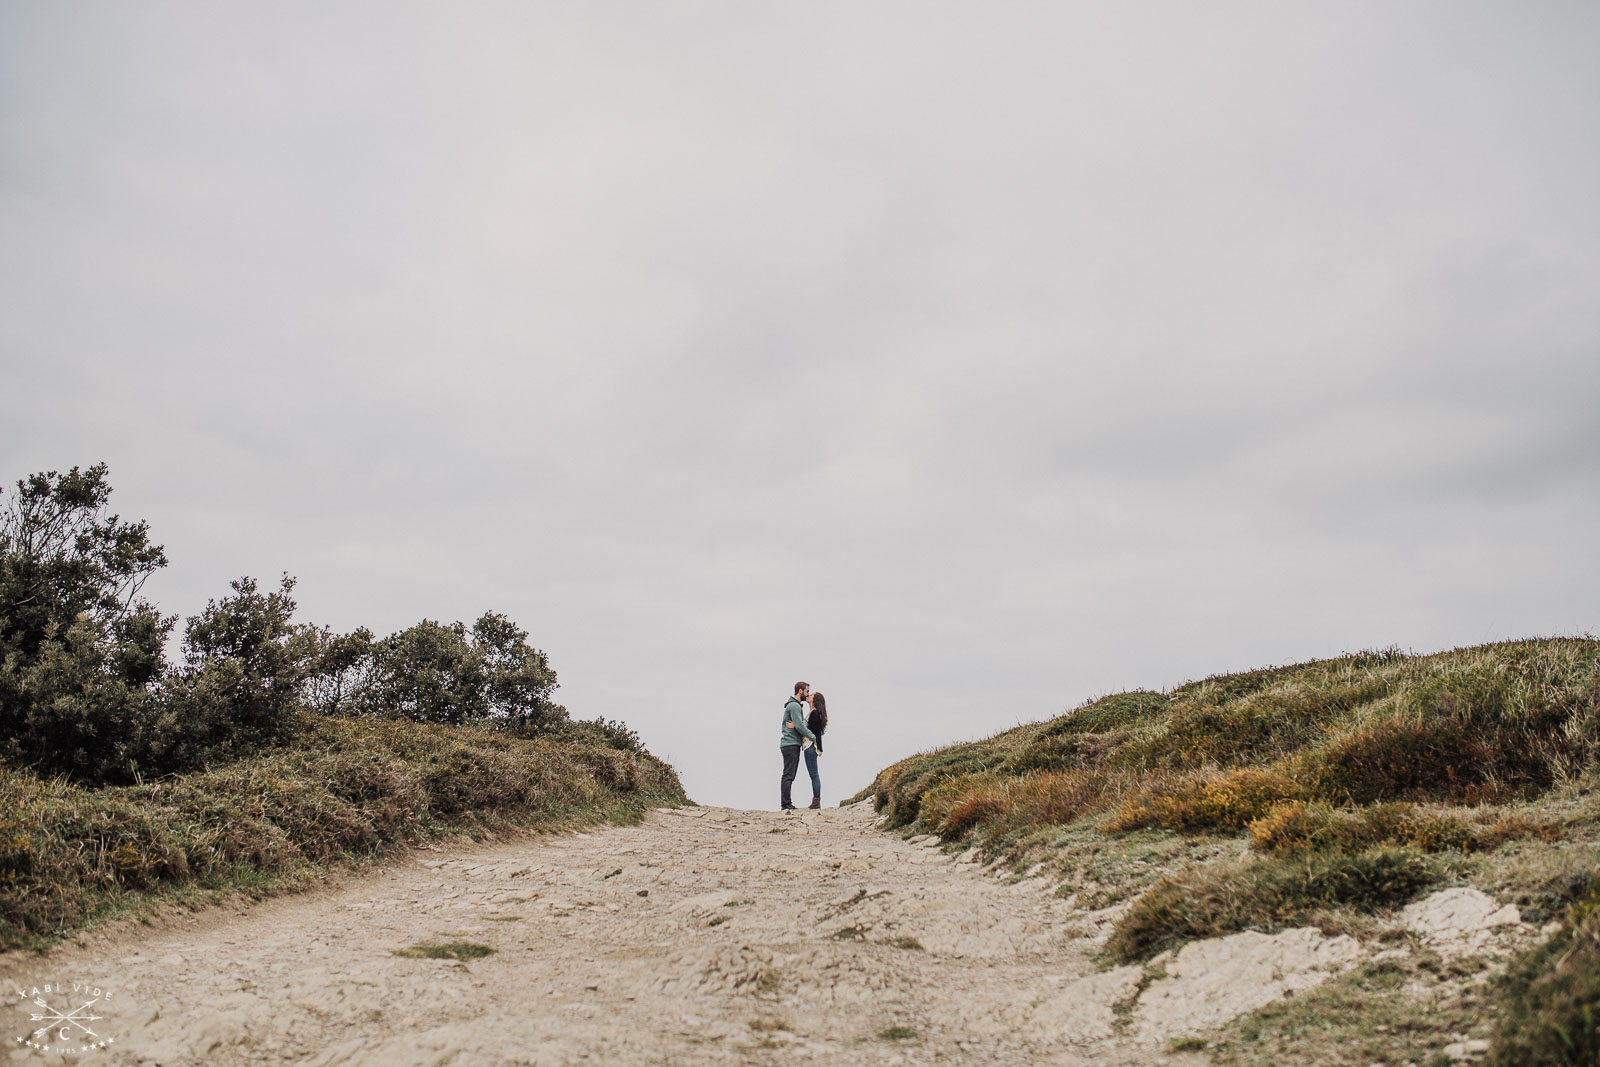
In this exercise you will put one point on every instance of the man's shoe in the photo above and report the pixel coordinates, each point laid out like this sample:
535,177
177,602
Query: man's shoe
816,802
788,807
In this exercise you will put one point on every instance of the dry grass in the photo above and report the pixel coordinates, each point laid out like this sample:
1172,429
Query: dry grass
1299,828
1228,800
1037,799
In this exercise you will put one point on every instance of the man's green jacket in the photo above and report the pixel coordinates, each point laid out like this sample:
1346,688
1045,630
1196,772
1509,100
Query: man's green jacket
795,712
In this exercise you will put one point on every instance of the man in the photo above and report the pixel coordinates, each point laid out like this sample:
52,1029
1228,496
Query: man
794,731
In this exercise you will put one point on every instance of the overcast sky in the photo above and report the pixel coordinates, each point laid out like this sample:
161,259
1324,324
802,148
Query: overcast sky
965,360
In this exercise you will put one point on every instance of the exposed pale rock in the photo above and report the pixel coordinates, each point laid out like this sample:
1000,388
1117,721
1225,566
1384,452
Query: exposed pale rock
1210,982
1459,919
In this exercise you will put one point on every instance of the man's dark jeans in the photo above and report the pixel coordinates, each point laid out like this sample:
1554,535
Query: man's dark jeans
791,767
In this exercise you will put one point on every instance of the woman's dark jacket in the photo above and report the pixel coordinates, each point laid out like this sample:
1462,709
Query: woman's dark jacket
817,722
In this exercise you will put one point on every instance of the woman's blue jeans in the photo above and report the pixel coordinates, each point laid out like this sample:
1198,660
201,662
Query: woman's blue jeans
811,768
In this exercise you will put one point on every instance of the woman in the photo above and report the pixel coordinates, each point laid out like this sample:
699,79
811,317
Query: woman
816,722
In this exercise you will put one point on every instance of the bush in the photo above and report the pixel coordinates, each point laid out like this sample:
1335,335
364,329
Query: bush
518,680
85,689
429,673
240,685
337,668
1265,895
610,733
434,672
80,652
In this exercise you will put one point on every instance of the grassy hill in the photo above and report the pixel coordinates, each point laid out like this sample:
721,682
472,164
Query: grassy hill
1328,792
344,791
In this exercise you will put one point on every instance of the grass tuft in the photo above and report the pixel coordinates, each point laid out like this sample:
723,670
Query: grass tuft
1296,828
449,950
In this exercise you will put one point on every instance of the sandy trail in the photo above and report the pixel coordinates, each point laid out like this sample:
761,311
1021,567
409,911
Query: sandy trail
704,936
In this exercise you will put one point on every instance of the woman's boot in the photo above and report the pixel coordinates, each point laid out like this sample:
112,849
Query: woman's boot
816,802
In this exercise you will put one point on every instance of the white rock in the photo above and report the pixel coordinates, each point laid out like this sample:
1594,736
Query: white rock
1459,918
1210,982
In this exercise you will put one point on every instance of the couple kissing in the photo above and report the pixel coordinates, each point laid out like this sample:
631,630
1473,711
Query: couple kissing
802,732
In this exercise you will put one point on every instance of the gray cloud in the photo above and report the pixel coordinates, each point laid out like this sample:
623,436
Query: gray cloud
967,364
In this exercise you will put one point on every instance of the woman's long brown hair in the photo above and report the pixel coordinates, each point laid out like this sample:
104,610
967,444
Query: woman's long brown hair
819,714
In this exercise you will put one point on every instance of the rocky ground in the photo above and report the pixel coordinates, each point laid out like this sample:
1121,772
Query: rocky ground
701,936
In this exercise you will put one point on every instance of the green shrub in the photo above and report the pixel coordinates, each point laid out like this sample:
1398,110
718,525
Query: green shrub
1265,895
85,689
239,689
453,674
610,733
898,790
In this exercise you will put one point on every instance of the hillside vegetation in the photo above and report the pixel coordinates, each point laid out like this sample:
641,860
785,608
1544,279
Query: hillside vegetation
345,790
1350,784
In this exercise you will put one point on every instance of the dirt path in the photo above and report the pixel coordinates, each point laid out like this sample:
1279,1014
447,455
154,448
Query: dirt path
702,936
